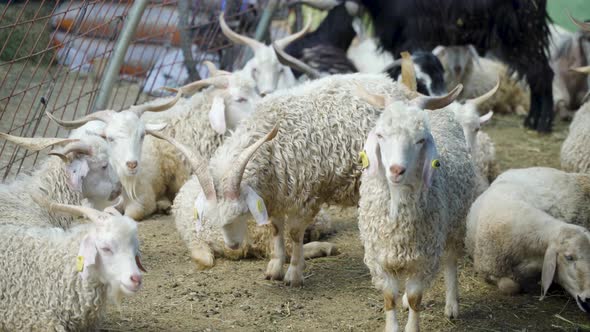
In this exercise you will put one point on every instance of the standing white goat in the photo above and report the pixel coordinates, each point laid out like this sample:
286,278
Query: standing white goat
413,203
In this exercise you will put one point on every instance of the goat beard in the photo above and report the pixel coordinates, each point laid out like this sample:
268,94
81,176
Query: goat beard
129,184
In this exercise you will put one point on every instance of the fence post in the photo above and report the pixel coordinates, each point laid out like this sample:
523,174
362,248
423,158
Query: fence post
118,55
264,22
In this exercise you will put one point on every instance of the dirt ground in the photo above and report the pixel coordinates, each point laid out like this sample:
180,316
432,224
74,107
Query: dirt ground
337,294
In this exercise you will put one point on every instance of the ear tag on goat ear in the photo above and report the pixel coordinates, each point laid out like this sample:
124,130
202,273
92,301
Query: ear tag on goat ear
435,163
364,159
256,207
80,263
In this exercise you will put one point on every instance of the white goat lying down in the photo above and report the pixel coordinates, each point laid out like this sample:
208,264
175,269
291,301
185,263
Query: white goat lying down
523,228
264,67
125,133
82,171
60,280
414,197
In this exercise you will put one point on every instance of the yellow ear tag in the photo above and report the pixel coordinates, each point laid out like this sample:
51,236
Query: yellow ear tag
259,206
196,214
435,163
364,159
80,263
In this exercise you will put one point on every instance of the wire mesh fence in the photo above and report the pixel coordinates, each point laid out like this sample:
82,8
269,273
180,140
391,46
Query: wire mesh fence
53,55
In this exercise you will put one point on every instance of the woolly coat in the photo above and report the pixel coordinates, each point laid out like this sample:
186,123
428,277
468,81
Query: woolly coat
40,288
427,223
485,158
575,150
312,160
509,225
165,169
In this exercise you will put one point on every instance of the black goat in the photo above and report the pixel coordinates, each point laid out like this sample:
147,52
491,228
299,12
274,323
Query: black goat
516,29
325,48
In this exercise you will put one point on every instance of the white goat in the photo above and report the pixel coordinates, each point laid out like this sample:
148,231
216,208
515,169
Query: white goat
264,67
520,230
83,172
60,280
413,203
125,133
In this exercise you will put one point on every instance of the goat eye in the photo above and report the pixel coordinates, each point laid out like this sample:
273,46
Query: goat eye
421,141
476,130
242,100
107,250
110,139
379,136
105,165
569,258
254,72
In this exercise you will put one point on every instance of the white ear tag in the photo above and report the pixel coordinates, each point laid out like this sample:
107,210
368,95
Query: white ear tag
256,207
199,209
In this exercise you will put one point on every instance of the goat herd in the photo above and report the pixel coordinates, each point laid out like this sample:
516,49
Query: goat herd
258,147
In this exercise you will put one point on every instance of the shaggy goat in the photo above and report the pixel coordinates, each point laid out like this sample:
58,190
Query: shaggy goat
83,172
521,230
60,280
413,203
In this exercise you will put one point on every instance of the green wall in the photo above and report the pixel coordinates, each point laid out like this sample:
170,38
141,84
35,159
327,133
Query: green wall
580,9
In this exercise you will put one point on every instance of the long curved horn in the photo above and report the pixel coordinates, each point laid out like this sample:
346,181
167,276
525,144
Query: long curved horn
113,209
199,167
408,72
76,147
140,109
376,100
220,82
481,99
237,38
213,71
36,143
104,116
90,213
580,24
231,188
437,102
581,70
290,61
285,41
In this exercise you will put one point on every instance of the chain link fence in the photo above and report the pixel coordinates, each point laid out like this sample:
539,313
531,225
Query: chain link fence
53,55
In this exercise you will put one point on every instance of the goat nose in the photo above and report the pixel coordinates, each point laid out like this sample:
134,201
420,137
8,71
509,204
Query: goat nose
132,164
397,170
136,279
263,94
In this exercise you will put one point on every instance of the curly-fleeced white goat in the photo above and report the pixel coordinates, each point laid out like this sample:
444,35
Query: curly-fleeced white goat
82,173
60,280
522,229
414,197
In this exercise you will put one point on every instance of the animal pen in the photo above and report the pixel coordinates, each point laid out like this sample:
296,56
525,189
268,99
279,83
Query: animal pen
70,58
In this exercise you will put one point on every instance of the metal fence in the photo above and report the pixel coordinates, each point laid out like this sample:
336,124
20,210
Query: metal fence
53,55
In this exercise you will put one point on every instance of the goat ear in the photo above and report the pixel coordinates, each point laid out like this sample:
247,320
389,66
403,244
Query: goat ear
549,267
86,255
155,126
256,206
486,117
430,161
217,115
439,50
371,150
76,171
